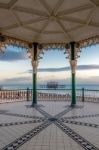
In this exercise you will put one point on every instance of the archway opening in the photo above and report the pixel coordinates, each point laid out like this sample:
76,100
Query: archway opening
54,67
14,66
88,68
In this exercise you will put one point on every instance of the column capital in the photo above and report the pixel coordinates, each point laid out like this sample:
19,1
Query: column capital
73,65
34,65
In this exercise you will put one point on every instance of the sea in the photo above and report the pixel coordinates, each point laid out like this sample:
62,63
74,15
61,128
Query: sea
66,90
68,86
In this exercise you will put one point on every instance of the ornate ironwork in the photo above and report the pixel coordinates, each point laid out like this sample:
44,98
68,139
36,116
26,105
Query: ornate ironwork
6,40
42,47
89,41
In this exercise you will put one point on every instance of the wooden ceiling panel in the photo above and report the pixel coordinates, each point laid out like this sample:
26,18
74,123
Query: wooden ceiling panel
33,4
21,33
53,26
25,16
50,3
38,25
72,4
84,32
70,25
5,1
96,15
6,18
82,15
49,20
52,38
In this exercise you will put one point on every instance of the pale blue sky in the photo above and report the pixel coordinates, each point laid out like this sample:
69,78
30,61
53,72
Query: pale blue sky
53,59
89,55
14,66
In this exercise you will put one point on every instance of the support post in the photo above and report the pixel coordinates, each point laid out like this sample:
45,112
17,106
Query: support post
83,95
73,62
34,64
27,94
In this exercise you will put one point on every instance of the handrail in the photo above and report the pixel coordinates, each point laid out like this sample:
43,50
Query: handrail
61,94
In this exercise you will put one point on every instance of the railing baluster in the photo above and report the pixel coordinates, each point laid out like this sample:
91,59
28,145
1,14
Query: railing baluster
83,95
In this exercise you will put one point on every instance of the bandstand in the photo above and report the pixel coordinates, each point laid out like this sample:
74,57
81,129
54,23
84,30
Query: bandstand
41,25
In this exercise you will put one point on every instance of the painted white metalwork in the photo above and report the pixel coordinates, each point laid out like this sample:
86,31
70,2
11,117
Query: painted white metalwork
73,64
34,64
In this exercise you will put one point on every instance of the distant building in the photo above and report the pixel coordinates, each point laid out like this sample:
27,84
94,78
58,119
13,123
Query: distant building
53,85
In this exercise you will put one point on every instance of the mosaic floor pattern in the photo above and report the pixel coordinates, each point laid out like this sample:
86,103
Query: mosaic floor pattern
49,126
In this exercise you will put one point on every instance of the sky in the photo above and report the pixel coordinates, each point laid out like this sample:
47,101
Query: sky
16,68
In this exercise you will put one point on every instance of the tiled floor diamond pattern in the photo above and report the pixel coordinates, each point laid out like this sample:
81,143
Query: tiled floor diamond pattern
8,134
51,138
80,123
20,141
76,137
49,126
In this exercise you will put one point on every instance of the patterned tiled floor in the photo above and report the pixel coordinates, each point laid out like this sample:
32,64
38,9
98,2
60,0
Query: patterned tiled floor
49,126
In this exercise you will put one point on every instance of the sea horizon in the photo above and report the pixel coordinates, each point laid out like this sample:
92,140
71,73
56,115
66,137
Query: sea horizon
66,86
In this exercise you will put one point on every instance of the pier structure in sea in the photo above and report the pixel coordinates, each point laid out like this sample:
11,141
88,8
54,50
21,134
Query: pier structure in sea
51,85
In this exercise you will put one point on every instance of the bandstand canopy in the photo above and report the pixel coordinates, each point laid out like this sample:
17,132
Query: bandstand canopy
49,21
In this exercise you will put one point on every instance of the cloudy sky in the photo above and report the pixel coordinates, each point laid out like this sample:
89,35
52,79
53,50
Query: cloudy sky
15,67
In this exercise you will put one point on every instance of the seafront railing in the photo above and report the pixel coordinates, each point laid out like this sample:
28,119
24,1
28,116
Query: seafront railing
83,95
12,95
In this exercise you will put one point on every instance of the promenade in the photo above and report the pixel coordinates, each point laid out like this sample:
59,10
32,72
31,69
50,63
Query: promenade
49,126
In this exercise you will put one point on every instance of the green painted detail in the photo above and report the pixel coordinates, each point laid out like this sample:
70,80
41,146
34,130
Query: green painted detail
82,94
35,50
73,75
34,95
72,50
73,89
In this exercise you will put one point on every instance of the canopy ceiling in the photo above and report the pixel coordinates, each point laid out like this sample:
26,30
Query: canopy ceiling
49,21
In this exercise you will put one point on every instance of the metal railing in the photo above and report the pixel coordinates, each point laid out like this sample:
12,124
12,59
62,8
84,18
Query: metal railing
12,95
83,95
54,94
90,95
